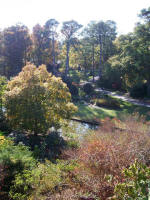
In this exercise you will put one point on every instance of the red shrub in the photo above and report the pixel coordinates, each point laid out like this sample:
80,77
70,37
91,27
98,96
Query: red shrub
103,155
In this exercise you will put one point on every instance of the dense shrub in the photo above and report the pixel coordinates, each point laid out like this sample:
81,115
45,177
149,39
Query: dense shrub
88,88
44,147
3,123
72,88
107,102
139,91
21,177
135,184
104,83
111,81
66,80
3,83
14,159
35,100
47,178
75,75
104,155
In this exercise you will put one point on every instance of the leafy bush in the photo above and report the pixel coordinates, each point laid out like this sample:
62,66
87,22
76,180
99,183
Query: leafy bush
4,126
111,79
88,88
72,88
139,91
75,75
135,184
107,102
104,155
13,160
44,180
3,83
35,100
66,80
3,123
22,178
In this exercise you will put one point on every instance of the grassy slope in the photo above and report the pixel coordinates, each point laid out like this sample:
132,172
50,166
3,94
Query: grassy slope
90,113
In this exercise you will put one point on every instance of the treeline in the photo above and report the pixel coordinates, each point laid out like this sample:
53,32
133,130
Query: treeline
121,61
129,67
43,46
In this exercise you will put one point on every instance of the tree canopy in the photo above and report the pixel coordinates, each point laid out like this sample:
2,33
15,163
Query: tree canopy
35,100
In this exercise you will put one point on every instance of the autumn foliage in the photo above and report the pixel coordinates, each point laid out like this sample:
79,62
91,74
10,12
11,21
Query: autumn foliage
35,100
104,154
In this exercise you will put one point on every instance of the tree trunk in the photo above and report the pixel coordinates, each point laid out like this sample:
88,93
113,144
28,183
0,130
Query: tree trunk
93,61
53,49
100,56
85,66
67,58
148,88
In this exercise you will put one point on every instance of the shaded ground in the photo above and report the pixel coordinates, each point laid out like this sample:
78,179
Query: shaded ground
92,112
124,98
119,96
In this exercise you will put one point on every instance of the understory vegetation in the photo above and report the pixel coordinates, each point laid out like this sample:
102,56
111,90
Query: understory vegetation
63,134
111,163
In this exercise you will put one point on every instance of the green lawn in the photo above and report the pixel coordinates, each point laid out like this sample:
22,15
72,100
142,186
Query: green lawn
89,113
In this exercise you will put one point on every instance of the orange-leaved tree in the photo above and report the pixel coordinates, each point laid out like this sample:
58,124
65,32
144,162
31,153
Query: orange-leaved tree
35,100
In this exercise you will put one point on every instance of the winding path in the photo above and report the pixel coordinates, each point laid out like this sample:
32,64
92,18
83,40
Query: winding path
124,98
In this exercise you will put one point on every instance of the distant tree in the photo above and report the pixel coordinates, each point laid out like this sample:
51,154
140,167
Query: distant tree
105,33
39,45
133,56
16,42
69,30
90,43
35,100
145,14
50,27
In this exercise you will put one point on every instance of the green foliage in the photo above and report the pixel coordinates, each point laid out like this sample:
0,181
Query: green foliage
112,75
133,56
136,184
41,180
3,123
13,160
69,30
46,178
72,143
74,91
108,102
35,100
3,83
88,88
45,48
139,91
15,45
72,88
1,133
75,75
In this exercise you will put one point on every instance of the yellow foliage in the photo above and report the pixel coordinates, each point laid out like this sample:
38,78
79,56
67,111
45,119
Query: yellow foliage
35,100
2,139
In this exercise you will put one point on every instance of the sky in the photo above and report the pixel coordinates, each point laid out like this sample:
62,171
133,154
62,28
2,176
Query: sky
31,12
